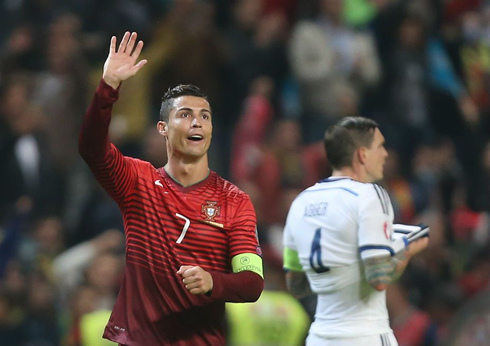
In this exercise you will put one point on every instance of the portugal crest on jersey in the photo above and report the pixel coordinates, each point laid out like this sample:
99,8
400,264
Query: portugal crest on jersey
210,210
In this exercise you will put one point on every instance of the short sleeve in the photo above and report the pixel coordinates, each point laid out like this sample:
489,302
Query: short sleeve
375,222
288,236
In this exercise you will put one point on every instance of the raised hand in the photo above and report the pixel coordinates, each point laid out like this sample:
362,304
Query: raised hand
121,64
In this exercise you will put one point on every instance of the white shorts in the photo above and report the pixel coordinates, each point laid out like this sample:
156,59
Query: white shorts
386,339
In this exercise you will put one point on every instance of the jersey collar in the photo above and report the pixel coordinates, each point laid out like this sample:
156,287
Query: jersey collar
186,189
336,178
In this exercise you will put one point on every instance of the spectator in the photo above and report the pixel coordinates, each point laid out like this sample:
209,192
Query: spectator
334,65
93,263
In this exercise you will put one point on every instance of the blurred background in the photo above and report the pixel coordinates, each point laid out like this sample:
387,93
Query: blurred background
277,73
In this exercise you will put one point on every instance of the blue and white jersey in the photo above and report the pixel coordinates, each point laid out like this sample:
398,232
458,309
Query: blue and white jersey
331,226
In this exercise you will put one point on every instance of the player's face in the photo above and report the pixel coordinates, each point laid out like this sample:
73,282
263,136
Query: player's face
189,129
375,157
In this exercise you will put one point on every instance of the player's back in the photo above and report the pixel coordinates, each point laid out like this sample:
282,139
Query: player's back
323,228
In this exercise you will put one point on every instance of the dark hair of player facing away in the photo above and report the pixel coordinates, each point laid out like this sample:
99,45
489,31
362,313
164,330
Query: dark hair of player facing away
345,137
175,92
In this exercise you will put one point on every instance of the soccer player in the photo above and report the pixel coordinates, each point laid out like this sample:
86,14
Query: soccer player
191,242
339,243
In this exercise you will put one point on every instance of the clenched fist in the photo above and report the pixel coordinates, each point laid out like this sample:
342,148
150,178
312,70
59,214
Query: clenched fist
196,279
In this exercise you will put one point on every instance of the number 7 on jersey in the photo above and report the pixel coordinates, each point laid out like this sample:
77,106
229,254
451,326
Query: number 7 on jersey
184,230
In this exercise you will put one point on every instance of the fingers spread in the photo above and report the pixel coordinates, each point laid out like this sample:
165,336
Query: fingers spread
139,65
130,45
124,43
137,50
112,48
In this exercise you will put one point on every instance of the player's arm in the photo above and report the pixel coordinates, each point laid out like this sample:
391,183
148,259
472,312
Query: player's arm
384,258
119,66
245,284
298,284
380,271
94,145
296,280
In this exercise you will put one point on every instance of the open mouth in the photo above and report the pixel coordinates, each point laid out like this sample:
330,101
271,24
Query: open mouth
195,138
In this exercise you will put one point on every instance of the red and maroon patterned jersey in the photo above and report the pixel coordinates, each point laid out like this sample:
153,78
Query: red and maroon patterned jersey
166,226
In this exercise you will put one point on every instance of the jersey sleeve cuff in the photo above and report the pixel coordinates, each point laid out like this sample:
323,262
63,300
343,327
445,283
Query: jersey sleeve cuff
399,243
108,95
367,251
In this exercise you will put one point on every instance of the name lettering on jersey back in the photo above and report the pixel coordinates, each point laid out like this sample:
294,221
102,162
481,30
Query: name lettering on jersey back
316,209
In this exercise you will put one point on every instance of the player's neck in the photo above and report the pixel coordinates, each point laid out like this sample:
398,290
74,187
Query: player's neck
187,173
350,172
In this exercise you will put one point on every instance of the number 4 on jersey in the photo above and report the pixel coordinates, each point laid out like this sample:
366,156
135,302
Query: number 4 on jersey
316,253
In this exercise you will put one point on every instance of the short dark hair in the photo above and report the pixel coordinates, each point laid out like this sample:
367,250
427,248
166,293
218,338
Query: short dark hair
175,92
345,137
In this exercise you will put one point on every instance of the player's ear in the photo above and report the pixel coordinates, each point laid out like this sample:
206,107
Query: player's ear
361,154
162,128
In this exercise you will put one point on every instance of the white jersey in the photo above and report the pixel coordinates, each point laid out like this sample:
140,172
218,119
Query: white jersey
331,225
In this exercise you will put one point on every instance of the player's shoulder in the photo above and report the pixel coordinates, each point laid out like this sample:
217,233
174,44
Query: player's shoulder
353,187
375,197
227,188
142,165
369,191
361,188
376,189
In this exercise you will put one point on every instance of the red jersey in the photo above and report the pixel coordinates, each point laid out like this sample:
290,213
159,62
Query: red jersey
167,226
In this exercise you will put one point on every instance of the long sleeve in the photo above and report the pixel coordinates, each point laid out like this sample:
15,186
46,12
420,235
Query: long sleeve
240,287
115,173
93,142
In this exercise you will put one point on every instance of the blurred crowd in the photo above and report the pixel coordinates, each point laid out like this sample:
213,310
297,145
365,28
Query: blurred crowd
277,73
